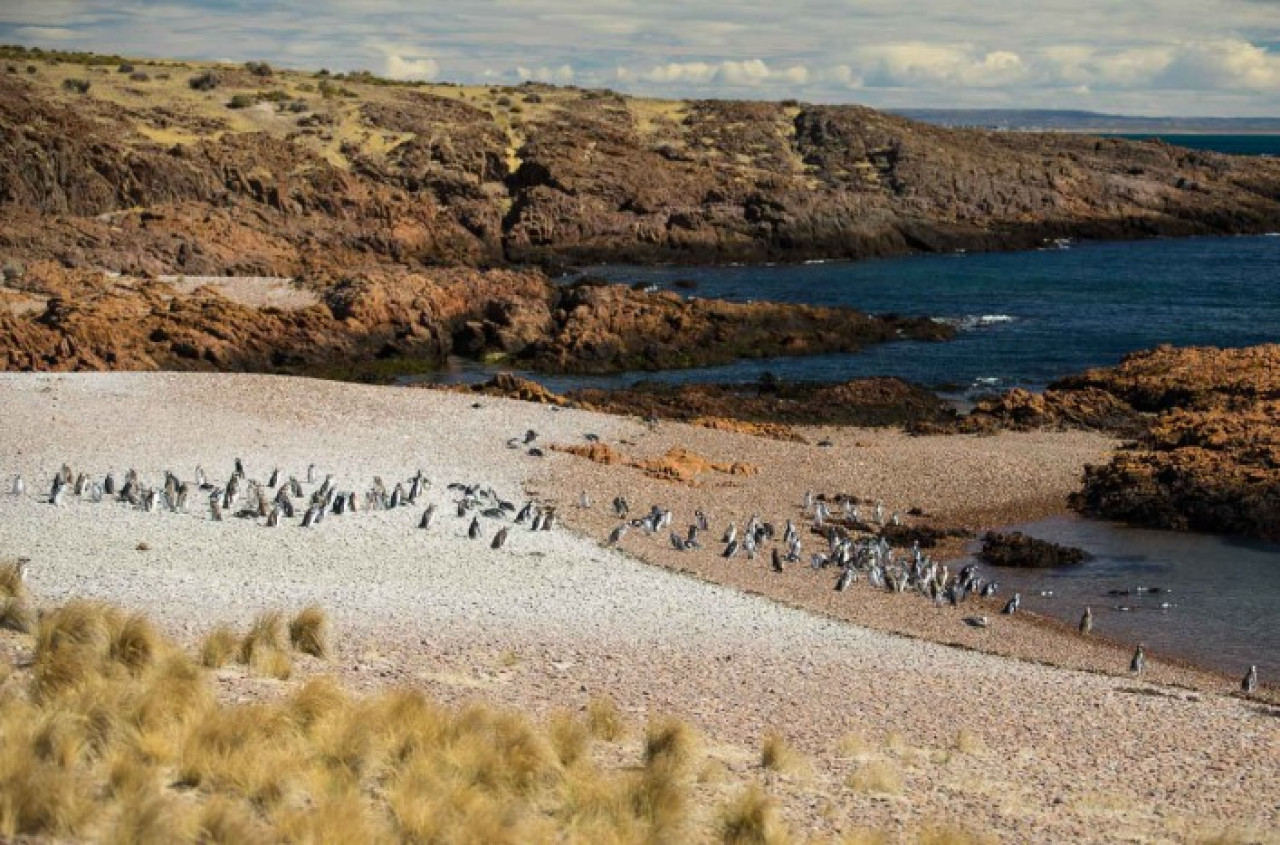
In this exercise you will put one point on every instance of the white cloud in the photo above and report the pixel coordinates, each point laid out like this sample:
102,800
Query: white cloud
1222,64
912,63
748,72
401,67
1219,56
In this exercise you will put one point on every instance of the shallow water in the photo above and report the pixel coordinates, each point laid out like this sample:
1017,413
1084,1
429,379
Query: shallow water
1219,604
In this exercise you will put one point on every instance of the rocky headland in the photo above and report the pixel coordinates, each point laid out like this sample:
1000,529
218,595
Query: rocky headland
227,170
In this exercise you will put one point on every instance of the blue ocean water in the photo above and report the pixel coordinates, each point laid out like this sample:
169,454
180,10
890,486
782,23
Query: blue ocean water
1025,318
1218,603
1246,145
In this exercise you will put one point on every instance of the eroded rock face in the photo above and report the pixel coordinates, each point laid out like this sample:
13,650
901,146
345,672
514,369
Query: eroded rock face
1209,460
385,322
610,328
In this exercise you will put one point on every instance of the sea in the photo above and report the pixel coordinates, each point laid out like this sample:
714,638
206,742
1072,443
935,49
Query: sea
1245,145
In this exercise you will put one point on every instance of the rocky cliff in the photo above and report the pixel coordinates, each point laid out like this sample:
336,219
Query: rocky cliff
150,172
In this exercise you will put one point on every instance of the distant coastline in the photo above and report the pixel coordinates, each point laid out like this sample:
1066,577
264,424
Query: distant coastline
1092,123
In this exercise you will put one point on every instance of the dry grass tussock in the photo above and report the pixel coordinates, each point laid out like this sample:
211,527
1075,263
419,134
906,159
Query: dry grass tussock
15,612
752,819
777,755
114,734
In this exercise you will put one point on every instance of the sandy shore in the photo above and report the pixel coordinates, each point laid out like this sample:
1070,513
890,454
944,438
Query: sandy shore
1064,755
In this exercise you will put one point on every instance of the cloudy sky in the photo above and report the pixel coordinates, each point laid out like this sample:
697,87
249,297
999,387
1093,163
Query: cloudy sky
1157,57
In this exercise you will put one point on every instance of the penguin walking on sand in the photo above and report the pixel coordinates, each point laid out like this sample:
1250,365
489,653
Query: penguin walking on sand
616,534
1086,621
1011,607
499,539
1139,661
474,531
19,486
425,522
1250,681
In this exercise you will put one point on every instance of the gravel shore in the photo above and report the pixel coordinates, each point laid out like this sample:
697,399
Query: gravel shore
1054,754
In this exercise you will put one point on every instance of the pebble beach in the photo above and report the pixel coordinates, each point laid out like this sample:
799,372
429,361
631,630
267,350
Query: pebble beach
1063,745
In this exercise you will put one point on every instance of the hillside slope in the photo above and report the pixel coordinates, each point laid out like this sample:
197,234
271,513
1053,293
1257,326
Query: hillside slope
262,172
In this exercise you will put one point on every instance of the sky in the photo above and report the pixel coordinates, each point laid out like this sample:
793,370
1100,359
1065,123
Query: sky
1171,57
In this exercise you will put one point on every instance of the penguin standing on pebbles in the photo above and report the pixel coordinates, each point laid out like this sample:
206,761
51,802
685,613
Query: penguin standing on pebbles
1250,682
1139,661
1086,621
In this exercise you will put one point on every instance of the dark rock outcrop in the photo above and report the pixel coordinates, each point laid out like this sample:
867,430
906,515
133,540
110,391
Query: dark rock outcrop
1017,549
870,402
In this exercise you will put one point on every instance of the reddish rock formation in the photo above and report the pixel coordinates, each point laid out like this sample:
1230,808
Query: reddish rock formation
1209,460
386,322
679,465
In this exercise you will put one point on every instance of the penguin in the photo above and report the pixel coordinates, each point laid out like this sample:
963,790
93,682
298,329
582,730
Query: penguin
1011,607
109,485
777,560
617,534
20,486
311,475
549,519
499,539
310,518
1086,621
846,578
273,519
215,509
1248,684
275,477
1139,661
474,530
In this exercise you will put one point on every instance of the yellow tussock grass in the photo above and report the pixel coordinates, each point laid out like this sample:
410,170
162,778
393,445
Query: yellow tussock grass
751,819
308,632
569,737
669,742
876,776
265,634
604,719
218,647
968,742
777,755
